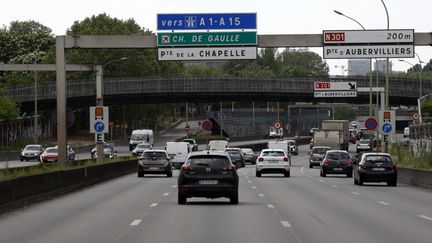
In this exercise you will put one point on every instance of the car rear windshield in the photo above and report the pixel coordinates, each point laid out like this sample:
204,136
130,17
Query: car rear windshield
378,159
212,161
364,141
291,143
247,151
273,153
320,150
337,156
154,155
51,150
144,146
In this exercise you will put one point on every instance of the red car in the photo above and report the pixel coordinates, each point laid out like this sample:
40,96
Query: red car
51,155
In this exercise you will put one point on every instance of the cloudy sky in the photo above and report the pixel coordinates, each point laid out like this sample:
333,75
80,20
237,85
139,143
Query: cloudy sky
273,16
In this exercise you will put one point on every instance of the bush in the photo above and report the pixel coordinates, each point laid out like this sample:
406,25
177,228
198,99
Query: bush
404,157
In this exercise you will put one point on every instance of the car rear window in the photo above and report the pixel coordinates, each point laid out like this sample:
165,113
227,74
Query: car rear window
273,153
320,150
337,156
144,146
154,155
211,161
292,143
378,159
51,150
32,148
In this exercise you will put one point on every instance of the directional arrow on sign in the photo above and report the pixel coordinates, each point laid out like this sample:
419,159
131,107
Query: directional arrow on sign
352,86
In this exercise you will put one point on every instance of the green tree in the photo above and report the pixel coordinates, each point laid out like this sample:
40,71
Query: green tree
427,110
302,63
8,108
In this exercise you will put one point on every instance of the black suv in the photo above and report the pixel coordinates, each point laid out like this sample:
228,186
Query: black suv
209,174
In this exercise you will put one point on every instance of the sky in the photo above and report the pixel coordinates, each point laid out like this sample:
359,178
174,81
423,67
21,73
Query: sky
273,16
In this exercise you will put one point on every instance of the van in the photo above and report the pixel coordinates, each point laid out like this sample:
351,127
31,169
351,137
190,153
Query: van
218,145
140,136
406,132
178,152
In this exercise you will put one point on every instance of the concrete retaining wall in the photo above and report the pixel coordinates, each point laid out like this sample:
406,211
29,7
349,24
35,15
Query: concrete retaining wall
421,178
22,191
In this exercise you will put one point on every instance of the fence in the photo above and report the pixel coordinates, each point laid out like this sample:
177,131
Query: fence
421,138
13,131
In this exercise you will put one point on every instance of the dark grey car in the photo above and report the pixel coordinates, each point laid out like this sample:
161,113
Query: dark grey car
317,155
154,162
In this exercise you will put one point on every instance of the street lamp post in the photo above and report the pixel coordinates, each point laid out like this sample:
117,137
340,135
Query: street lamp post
419,106
370,62
99,101
387,63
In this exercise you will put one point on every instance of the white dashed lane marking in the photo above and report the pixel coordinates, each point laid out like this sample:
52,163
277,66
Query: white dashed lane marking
175,186
355,193
270,206
166,194
285,224
154,205
261,195
253,187
384,203
335,186
136,222
425,217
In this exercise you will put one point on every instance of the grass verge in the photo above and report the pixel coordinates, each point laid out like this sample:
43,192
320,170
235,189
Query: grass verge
405,158
46,168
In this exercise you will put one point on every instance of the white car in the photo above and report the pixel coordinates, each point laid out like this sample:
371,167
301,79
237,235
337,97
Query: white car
363,145
274,161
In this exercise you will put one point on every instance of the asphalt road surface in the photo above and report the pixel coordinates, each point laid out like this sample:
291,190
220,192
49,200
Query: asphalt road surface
302,208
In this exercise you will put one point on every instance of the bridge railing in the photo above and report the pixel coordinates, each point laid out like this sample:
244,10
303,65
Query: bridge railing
142,85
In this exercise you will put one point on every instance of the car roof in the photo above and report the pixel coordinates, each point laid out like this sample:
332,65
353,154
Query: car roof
376,153
337,151
208,152
321,147
155,151
267,150
233,148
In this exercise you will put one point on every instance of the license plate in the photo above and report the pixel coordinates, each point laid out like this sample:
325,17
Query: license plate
378,169
154,168
274,161
338,169
51,160
207,182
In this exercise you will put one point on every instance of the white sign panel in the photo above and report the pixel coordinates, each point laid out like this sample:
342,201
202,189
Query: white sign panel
206,53
387,122
327,86
99,119
368,36
365,52
330,94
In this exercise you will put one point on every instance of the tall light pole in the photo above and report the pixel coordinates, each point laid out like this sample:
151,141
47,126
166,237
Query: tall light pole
99,101
230,69
370,62
387,62
419,106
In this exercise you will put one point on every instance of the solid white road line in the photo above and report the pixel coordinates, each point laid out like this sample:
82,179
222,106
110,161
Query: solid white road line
384,203
270,206
285,224
425,217
166,194
136,222
355,193
261,195
154,205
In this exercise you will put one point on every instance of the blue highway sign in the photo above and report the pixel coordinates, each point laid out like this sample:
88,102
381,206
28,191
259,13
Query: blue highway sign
99,126
206,21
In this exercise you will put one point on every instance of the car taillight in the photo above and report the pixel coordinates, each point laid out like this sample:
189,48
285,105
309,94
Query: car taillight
285,159
349,162
186,168
393,166
363,166
260,159
326,162
230,168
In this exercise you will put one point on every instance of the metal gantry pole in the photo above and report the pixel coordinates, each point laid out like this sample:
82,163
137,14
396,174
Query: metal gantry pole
35,130
61,100
221,120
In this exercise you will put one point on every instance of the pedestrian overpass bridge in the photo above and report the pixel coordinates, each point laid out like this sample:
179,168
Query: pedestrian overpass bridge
82,93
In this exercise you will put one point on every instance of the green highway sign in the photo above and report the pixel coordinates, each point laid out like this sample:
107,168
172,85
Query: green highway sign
207,38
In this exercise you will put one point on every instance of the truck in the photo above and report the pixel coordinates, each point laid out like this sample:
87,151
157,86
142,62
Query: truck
333,133
280,144
140,136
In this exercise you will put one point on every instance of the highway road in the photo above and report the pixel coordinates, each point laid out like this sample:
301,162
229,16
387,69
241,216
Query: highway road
302,208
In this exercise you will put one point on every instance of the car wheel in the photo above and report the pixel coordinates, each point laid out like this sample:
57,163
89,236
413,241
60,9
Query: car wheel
181,199
287,173
324,174
258,174
21,159
360,181
392,183
310,166
349,174
169,174
140,173
355,181
234,199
